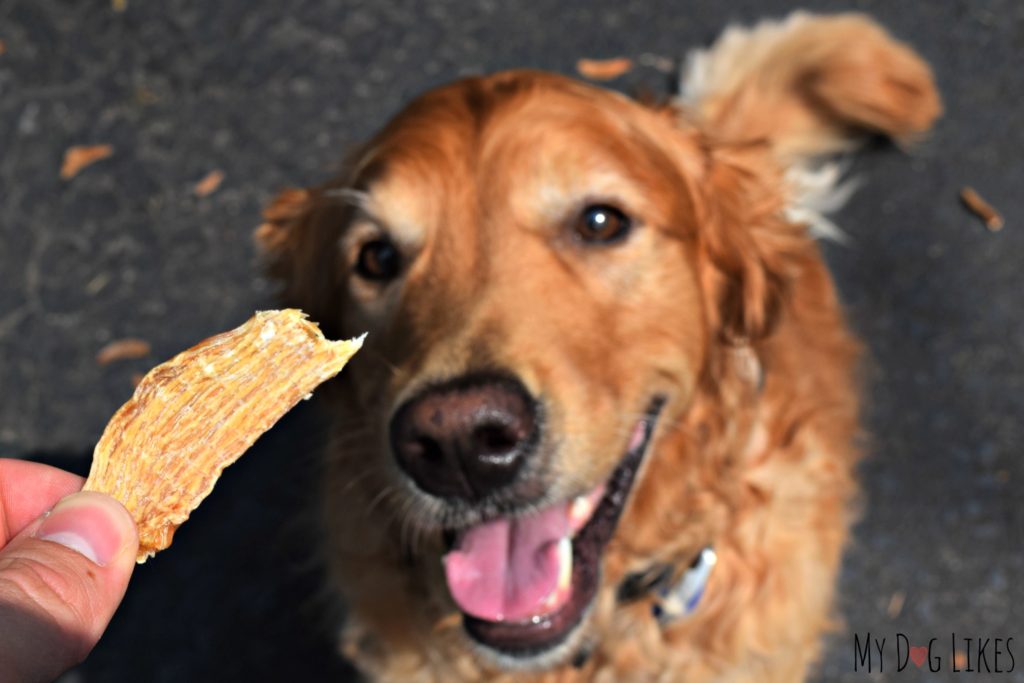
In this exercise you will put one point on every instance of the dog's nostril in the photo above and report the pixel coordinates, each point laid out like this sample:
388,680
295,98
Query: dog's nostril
428,449
495,441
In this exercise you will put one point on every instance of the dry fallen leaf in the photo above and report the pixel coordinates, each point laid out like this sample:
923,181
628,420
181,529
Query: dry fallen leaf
604,69
3,47
985,211
189,418
145,97
896,604
119,5
78,157
122,349
209,184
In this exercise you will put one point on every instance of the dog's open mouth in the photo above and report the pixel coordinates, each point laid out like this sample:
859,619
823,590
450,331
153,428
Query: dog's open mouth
524,583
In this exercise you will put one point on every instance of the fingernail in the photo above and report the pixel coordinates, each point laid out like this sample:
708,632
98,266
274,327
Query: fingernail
91,524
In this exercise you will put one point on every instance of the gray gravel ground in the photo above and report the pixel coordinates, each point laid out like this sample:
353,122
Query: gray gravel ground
274,93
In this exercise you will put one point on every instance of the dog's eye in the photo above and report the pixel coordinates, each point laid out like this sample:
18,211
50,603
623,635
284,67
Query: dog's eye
378,260
602,223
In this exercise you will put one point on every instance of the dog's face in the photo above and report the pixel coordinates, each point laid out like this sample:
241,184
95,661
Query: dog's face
541,267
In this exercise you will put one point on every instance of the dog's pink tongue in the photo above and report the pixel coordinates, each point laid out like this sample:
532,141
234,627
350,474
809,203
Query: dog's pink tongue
508,569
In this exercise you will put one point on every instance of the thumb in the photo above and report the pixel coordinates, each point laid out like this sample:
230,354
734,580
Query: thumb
61,579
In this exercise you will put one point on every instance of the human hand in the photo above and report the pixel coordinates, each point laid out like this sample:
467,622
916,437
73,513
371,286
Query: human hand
62,572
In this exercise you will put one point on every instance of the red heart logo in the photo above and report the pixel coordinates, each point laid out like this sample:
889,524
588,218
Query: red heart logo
917,654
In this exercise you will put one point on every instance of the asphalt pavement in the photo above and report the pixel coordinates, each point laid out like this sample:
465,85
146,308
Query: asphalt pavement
272,94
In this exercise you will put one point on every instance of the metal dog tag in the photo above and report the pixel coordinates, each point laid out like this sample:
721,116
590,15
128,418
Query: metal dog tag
680,599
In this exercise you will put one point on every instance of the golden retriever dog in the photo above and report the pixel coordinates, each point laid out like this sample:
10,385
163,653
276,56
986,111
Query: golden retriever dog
605,424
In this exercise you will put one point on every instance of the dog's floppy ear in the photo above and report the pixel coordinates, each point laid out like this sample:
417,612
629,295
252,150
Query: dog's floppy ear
749,250
276,237
792,90
811,85
298,241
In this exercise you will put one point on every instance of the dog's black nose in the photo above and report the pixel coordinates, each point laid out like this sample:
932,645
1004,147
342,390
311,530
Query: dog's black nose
465,438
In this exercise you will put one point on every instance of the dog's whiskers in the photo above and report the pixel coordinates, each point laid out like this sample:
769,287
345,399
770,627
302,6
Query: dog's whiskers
413,533
343,446
375,355
356,481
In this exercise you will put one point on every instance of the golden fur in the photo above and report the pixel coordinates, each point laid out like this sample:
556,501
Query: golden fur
718,302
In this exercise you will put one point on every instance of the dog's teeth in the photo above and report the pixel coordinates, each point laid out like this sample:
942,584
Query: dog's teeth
564,564
564,551
580,509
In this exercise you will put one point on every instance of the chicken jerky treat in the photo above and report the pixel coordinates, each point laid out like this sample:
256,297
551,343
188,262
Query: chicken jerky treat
194,415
